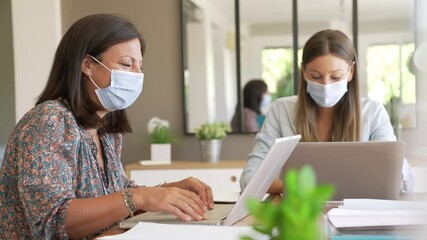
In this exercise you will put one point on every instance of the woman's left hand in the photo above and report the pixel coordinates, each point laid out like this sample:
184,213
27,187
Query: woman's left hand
198,187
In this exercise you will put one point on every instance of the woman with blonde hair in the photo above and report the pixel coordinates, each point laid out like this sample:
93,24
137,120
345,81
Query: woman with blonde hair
328,107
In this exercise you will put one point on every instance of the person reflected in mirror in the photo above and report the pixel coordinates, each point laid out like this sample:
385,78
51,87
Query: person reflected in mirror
62,175
256,101
328,107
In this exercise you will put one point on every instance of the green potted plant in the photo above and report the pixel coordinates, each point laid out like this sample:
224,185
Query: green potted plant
210,136
160,139
392,108
297,215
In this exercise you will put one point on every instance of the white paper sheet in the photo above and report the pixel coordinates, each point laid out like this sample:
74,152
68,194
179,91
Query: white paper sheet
156,231
350,218
378,204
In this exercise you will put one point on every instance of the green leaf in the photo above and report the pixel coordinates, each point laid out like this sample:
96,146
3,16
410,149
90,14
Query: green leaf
266,213
297,215
324,192
161,134
246,238
307,181
291,182
216,130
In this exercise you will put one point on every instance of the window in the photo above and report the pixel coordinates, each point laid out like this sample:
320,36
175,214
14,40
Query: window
277,70
389,73
391,80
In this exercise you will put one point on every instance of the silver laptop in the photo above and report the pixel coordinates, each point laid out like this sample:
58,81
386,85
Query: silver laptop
357,169
228,214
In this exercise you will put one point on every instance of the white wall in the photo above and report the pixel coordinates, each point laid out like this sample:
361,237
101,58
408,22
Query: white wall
36,34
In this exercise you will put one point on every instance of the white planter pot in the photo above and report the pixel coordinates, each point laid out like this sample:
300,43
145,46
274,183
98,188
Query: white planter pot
161,152
211,150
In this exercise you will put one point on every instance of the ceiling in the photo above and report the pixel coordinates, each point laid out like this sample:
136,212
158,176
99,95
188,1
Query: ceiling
279,11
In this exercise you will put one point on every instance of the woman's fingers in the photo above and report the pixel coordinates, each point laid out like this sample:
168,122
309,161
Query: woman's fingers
209,195
186,211
190,199
200,188
179,202
204,192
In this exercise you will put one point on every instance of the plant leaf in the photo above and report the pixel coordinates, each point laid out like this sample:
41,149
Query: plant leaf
246,238
291,181
306,181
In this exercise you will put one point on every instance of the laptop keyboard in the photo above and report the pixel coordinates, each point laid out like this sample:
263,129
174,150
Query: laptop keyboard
219,212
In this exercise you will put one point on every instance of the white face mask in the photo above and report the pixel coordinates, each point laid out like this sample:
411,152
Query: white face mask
327,95
124,89
265,103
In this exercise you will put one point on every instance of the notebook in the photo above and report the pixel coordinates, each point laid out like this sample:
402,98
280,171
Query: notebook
357,169
228,214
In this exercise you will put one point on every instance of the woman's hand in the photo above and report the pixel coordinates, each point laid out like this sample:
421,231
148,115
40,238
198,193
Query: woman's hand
196,186
182,203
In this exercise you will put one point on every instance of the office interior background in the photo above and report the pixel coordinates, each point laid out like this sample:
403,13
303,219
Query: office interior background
31,30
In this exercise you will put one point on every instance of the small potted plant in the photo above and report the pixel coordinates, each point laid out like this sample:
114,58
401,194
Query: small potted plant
298,215
392,108
210,136
160,139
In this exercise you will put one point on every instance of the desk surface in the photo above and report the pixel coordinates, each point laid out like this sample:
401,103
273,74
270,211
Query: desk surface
247,221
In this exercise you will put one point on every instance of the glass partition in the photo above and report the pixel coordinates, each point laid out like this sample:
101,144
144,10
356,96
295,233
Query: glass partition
386,47
227,43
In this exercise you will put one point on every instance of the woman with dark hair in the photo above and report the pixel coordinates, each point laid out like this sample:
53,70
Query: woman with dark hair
328,106
62,175
255,100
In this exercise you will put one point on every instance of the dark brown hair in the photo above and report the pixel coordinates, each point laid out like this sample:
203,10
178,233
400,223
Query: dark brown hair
252,94
346,126
91,35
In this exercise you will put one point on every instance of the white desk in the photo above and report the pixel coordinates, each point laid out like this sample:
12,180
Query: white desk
222,177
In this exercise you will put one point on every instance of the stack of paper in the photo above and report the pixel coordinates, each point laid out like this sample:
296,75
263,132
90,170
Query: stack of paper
157,231
342,218
378,204
378,219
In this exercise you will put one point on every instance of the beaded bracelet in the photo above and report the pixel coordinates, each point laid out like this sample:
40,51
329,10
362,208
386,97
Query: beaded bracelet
128,199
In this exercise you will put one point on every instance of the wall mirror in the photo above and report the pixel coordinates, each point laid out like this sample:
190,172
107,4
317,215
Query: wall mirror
227,43
209,61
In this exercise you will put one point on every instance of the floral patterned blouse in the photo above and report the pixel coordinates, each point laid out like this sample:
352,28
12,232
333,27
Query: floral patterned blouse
49,161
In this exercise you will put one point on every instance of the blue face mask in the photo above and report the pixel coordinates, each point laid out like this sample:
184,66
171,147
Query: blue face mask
124,89
265,103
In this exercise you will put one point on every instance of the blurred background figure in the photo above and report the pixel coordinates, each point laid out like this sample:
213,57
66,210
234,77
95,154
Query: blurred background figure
256,101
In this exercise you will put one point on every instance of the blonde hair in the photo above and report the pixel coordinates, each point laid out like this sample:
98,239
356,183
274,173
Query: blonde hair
347,120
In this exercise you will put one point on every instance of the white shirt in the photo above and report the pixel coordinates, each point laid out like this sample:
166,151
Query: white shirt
279,123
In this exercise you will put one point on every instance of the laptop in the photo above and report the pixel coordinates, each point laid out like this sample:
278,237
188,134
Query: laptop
357,169
228,214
